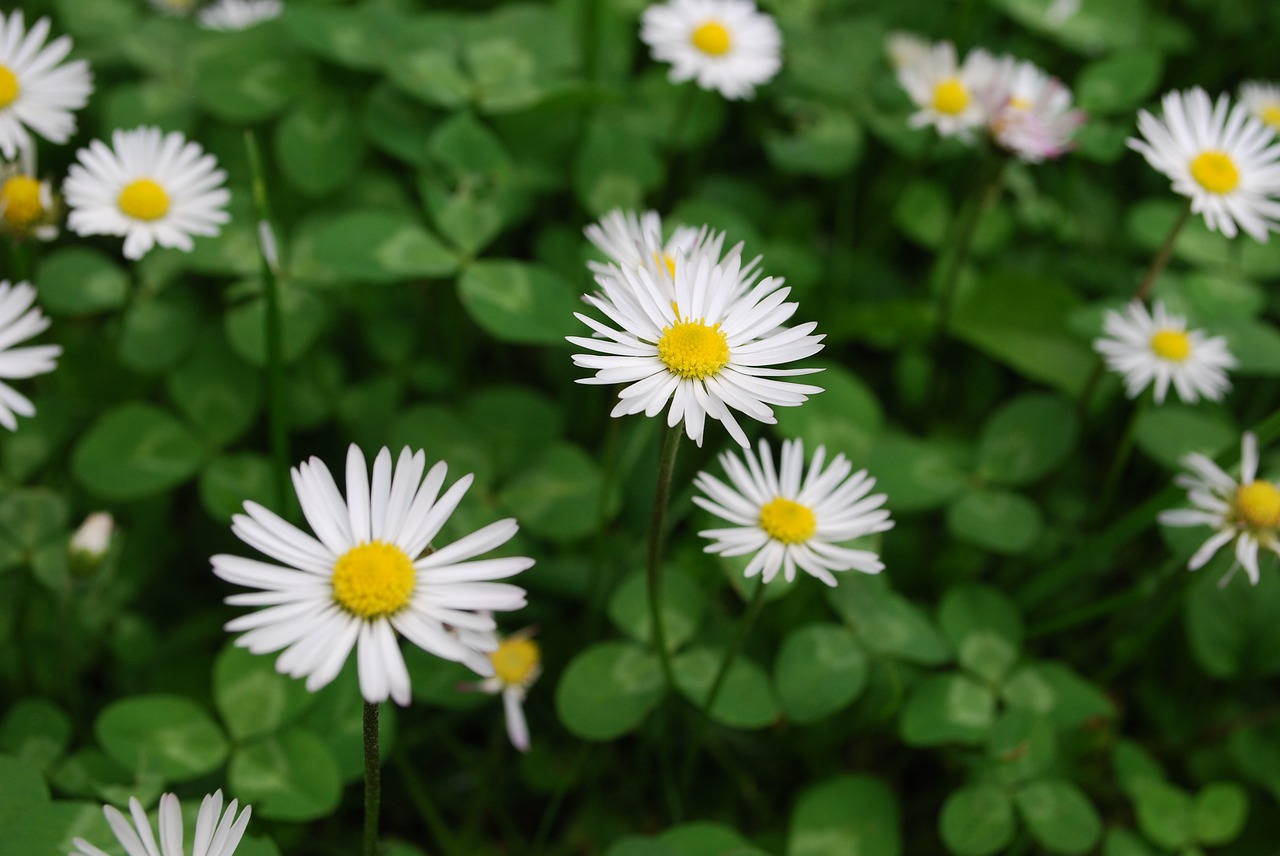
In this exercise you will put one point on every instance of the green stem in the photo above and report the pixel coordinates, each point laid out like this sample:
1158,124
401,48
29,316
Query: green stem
557,799
372,780
657,527
984,196
681,117
427,808
1162,256
276,402
704,710
1123,450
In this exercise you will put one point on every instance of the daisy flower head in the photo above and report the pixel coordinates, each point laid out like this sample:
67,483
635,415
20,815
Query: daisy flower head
727,45
948,96
1156,346
517,663
708,345
21,320
1263,101
905,48
1219,156
1031,113
1059,12
38,92
1246,512
791,518
632,240
239,14
217,833
148,187
28,206
369,573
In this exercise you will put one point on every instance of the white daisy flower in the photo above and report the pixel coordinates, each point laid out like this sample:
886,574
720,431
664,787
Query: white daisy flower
709,350
217,833
91,541
946,96
1247,512
149,187
1263,101
239,14
1156,346
20,321
1031,113
28,207
1059,12
633,240
727,45
1223,159
517,663
905,49
36,93
791,518
370,573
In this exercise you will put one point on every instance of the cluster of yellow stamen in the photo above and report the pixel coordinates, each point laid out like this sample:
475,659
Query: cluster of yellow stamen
10,89
950,97
1258,504
694,350
1271,115
373,580
712,38
1172,345
20,205
143,199
1215,171
516,661
788,521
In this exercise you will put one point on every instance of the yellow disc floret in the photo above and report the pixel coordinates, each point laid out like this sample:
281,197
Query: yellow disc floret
20,202
693,349
1271,115
1172,345
516,661
143,200
950,96
373,580
1259,505
1215,171
10,89
712,38
788,521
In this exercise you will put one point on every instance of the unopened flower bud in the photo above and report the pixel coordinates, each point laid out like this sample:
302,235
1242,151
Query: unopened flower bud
90,542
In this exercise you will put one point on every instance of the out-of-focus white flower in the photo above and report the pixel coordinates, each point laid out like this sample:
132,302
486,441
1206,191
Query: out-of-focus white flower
517,663
1031,114
726,45
238,14
28,206
217,833
905,49
21,320
947,96
1156,346
1263,101
1059,11
93,537
38,92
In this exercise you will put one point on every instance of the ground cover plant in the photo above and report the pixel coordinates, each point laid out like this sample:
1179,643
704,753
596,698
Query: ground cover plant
812,428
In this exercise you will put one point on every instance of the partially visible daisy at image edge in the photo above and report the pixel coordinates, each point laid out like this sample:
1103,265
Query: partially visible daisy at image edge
38,91
369,575
517,663
1155,346
1263,101
726,45
217,833
20,320
28,206
1246,512
711,350
1223,159
238,14
788,518
148,187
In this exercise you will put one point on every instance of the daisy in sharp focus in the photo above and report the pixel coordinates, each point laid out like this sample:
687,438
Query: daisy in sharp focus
1247,512
28,207
1156,346
239,14
1031,113
148,187
948,96
36,93
1223,159
789,518
368,574
20,321
709,351
1263,101
727,45
217,833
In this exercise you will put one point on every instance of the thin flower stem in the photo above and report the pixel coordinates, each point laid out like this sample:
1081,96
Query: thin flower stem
427,809
1162,256
372,780
681,117
1123,450
986,192
657,524
276,403
704,710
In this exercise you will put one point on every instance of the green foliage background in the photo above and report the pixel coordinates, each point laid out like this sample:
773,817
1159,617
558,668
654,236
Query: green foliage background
1034,672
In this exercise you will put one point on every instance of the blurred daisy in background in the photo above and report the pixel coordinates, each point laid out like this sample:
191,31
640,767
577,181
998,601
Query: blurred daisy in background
1246,512
947,96
517,663
905,48
238,14
37,93
711,349
1263,101
175,8
1058,12
20,321
1030,112
1218,155
148,187
217,833
1145,347
368,574
789,518
726,45
28,206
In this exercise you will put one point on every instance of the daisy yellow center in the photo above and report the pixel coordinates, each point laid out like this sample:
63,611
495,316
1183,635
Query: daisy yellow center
1019,103
143,200
10,89
1271,115
950,97
20,201
693,349
515,660
788,521
712,38
1215,171
373,580
1259,505
1174,345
